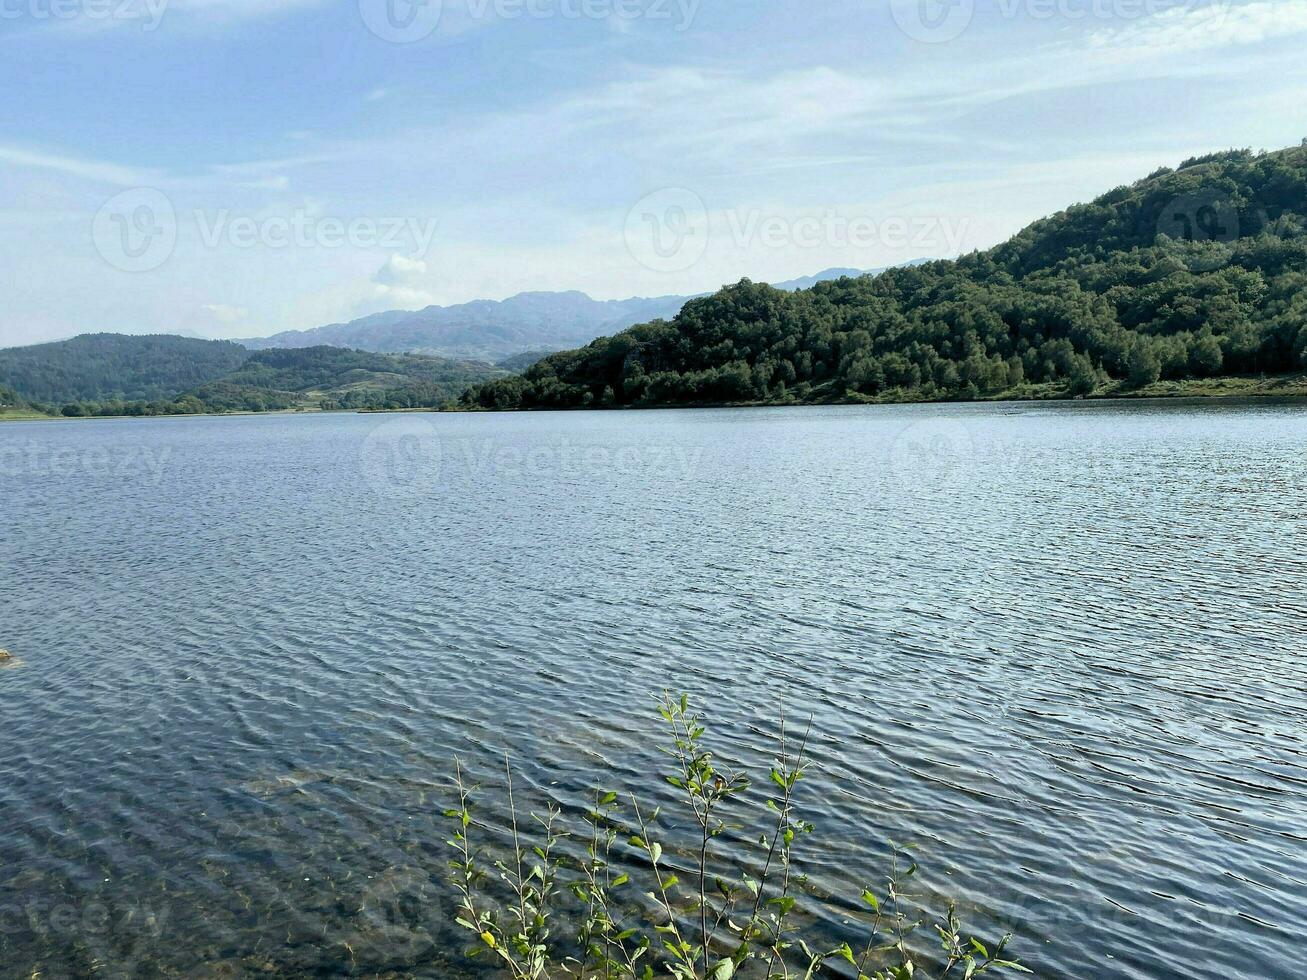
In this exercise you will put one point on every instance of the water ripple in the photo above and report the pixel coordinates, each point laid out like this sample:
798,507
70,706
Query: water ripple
1060,649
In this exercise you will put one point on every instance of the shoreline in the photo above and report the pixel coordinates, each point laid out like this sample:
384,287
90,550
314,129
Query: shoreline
1287,388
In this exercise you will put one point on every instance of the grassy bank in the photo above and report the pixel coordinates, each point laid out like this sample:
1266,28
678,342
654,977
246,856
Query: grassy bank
21,415
1233,387
1274,386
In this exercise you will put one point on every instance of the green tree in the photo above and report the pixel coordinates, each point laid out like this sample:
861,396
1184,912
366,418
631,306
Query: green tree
1144,365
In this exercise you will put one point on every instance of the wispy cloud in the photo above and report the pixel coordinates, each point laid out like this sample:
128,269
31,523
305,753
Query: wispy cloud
95,170
1205,26
254,175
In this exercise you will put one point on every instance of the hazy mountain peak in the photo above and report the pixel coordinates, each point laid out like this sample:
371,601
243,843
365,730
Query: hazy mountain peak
492,330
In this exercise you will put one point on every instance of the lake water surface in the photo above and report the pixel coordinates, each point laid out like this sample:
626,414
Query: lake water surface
1062,648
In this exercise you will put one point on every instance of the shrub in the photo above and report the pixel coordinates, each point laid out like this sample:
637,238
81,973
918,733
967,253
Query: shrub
720,923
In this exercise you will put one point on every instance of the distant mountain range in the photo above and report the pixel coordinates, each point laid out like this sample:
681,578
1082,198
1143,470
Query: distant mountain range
398,359
493,330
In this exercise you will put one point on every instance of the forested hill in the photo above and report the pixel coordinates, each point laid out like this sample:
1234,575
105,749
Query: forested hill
106,367
112,374
335,378
1190,273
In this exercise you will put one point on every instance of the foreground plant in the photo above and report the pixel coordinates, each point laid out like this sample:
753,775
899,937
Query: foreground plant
721,922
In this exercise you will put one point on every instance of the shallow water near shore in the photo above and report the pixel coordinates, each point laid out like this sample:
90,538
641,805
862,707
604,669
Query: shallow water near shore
1060,647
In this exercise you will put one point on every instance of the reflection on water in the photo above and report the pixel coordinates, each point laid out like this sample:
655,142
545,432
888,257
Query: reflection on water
1059,647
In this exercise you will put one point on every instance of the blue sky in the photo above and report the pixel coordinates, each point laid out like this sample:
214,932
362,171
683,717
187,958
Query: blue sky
238,167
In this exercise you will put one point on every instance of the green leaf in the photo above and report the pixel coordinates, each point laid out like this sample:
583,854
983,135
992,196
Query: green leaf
655,852
724,970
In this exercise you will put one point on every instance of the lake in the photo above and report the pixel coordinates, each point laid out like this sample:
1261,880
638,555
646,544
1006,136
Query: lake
1059,647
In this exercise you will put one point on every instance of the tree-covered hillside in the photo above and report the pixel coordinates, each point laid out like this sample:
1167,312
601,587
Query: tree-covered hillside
334,378
105,367
111,374
1190,273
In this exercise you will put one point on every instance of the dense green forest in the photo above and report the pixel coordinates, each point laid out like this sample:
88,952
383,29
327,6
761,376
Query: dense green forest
109,374
337,378
1190,273
107,367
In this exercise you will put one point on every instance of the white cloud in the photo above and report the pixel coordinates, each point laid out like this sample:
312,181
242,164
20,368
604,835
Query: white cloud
399,284
226,315
1186,29
398,270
